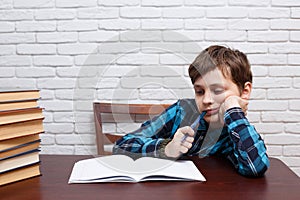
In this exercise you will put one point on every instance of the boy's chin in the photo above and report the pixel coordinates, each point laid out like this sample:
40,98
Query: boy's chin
214,121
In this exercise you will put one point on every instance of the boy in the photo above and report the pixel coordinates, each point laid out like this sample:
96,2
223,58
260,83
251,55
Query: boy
222,81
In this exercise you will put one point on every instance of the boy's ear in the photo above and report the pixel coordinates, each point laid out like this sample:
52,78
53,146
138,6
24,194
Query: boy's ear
246,91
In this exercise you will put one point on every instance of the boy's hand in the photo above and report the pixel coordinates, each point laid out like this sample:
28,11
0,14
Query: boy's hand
181,142
233,101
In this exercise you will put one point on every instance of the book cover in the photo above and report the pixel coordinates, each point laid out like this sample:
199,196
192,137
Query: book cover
5,106
20,95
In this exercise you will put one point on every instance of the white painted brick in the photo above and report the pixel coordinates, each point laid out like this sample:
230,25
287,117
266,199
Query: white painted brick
183,12
204,24
140,12
259,71
29,26
246,24
50,83
85,150
284,48
53,60
15,38
140,82
258,94
6,4
84,139
67,72
63,117
83,94
47,94
182,36
108,83
14,15
87,83
269,128
225,36
296,82
64,94
34,4
99,36
14,60
119,24
75,3
141,36
295,13
57,15
283,93
292,127
84,117
267,59
57,149
291,150
56,37
162,24
280,116
164,71
272,82
17,83
284,71
283,139
57,105
138,59
6,27
119,3
260,105
295,36
274,150
76,49
179,83
293,59
78,25
127,127
7,49
285,24
120,71
84,105
249,3
174,59
47,139
29,49
249,48
285,3
7,72
268,36
296,170
269,13
253,117
35,72
61,128
291,161
191,47
226,12
48,117
119,47
85,128
205,3
98,13
159,3
102,59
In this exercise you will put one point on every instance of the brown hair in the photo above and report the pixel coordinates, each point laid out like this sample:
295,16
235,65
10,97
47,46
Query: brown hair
232,63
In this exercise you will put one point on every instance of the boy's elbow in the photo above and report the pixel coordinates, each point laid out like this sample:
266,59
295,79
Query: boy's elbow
255,171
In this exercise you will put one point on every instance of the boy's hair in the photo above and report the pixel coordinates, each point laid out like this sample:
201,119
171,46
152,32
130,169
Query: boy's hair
232,63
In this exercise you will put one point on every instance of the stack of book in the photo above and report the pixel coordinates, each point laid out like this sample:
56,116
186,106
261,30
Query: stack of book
21,122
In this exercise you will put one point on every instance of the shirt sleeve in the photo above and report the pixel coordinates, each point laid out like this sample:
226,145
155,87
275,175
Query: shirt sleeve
146,140
249,151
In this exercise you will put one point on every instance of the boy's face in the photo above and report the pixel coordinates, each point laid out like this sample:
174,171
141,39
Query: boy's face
211,90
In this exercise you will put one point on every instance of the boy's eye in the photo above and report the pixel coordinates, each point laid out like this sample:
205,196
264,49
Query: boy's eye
199,92
218,91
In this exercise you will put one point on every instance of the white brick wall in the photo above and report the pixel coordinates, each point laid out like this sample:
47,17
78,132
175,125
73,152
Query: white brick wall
78,51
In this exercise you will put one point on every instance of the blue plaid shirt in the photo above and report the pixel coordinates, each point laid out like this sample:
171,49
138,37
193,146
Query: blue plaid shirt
238,140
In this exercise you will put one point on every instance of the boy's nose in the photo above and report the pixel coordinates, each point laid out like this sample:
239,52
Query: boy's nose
207,99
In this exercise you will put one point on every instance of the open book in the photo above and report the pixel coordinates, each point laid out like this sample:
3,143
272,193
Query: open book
121,168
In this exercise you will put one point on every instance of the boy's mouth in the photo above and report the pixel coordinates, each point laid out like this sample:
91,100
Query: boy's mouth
212,111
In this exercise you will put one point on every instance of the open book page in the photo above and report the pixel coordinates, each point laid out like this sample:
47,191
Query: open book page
120,168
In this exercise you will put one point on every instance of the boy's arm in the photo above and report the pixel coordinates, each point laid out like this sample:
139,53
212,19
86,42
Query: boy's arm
249,151
146,141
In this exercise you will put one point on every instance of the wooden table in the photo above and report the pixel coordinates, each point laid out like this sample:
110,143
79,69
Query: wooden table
222,183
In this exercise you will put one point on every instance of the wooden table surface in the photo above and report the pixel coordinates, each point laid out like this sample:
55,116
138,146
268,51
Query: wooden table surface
222,182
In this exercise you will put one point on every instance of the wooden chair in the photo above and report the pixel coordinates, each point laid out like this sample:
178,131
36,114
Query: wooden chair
114,113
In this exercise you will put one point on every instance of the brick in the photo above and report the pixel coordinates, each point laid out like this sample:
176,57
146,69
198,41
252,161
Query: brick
284,48
75,3
7,49
119,47
258,94
292,127
282,139
177,83
285,24
54,149
58,14
259,71
295,36
57,105
294,104
14,15
47,94
183,12
17,83
163,71
174,59
291,161
274,150
243,24
162,24
248,3
225,36
75,139
6,27
296,82
273,36
14,60
85,128
50,83
119,24
64,94
69,72
35,72
295,13
99,36
205,24
293,59
34,4
108,83
260,105
283,93
226,12
164,3
249,48
29,49
121,71
84,117
127,127
269,83
269,128
269,13
85,150
141,36
84,105
204,3
87,83
6,4
287,3
284,71
291,150
267,59
280,116
7,72
102,59
47,139
57,37
119,3
138,59
182,36
15,38
141,82
159,94
76,49
98,13
28,26
77,25
52,60
140,12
